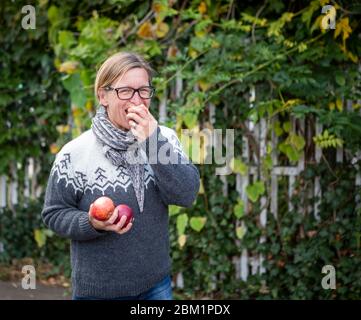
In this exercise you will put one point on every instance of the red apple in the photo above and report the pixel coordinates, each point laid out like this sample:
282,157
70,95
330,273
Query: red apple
102,208
124,210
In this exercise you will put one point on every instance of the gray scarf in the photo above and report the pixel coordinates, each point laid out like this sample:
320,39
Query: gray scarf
121,148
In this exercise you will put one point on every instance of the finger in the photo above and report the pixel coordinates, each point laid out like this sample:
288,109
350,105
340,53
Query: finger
112,218
126,229
134,132
135,117
132,123
90,216
121,223
141,110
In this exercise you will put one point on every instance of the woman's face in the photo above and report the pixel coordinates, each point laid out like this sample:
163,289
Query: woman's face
116,108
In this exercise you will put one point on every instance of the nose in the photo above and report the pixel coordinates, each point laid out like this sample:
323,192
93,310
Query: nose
136,99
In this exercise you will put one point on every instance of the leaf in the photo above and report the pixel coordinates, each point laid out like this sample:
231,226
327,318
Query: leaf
54,148
255,191
317,24
278,129
40,237
145,30
238,166
204,85
182,240
340,79
240,232
161,29
238,209
173,51
339,104
74,85
344,27
197,223
202,28
352,57
192,53
182,222
68,67
267,162
287,126
356,106
297,141
202,8
290,151
162,10
307,15
173,210
62,128
190,119
66,39
49,233
275,27
253,20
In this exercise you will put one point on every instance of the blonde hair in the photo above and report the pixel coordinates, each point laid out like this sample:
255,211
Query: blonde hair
116,66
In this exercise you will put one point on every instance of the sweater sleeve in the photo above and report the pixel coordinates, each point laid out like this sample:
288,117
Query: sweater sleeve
176,177
60,211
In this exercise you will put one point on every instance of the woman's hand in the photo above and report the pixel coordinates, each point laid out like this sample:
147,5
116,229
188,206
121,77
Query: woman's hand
108,224
141,121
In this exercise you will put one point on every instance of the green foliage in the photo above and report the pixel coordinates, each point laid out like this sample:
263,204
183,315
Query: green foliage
326,140
32,99
299,245
239,209
23,235
255,190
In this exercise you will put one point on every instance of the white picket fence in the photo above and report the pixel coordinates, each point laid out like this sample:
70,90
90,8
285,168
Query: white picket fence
250,263
12,192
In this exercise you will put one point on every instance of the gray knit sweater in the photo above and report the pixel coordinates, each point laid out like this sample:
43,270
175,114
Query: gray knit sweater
106,264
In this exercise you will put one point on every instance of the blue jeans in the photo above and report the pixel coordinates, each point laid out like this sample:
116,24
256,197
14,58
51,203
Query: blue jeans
161,291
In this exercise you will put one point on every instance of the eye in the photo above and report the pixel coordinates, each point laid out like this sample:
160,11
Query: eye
125,91
145,91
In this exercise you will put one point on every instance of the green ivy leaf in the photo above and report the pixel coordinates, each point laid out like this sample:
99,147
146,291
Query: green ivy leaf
255,191
74,85
238,166
340,79
291,153
278,129
182,222
297,141
197,223
287,126
190,119
182,240
238,209
240,232
40,237
66,39
173,210
267,162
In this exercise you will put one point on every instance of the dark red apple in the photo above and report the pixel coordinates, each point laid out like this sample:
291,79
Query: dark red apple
124,210
102,208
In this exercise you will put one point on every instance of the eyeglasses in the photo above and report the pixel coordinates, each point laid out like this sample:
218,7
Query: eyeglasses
126,93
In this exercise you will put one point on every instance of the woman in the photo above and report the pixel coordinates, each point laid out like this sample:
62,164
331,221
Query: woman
129,158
